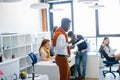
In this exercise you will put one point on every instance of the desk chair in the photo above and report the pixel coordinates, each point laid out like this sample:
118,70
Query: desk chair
34,61
109,64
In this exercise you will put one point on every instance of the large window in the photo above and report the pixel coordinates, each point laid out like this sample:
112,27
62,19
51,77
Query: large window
84,20
65,11
59,10
87,22
109,18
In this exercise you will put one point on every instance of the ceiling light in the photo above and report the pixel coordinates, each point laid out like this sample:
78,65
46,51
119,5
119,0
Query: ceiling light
9,0
87,1
96,6
40,5
56,9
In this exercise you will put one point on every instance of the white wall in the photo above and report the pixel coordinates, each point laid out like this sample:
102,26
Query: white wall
18,17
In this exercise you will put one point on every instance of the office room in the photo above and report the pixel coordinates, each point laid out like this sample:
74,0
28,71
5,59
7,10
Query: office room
59,40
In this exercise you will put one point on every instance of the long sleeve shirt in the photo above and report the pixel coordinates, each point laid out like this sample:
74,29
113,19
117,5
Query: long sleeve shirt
61,45
80,43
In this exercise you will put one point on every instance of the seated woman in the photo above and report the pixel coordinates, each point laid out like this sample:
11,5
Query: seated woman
44,50
105,51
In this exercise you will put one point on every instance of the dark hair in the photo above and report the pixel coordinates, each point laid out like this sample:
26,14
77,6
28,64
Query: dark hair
105,39
70,34
44,42
54,29
65,21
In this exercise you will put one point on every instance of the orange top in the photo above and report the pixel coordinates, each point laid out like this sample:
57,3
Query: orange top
57,33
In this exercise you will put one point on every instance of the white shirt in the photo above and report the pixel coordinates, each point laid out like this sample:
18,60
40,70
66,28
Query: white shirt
61,45
43,51
108,51
79,42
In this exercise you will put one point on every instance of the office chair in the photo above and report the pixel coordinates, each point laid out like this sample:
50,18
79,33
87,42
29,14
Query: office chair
109,64
34,61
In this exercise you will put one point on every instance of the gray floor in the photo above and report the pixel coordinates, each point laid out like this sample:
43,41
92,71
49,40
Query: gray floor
109,76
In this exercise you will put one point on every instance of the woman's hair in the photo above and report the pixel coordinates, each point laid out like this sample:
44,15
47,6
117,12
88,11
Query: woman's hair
44,42
105,39
54,29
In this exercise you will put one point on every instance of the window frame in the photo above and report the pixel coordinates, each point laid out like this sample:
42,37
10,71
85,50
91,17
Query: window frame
51,14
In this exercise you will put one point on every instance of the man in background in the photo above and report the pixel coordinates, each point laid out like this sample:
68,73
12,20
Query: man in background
81,56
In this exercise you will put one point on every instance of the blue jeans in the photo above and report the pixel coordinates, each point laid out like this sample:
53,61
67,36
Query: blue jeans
81,57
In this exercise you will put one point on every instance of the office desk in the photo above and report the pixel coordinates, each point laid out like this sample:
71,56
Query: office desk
92,68
49,68
40,77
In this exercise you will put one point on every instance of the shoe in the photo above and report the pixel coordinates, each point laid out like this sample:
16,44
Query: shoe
118,71
83,78
79,78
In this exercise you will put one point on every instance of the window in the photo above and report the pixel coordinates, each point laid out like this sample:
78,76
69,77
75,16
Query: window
109,18
64,12
56,16
84,20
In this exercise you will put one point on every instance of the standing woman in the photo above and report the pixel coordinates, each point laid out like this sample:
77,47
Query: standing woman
62,49
44,50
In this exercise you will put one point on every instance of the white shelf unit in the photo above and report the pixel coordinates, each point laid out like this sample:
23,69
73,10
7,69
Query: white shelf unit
28,39
17,45
21,40
36,48
22,63
20,45
22,51
15,52
6,47
14,41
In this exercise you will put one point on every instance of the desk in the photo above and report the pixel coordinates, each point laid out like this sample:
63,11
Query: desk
92,70
49,68
40,77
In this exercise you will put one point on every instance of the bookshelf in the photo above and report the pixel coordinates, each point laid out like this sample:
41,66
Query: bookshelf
20,45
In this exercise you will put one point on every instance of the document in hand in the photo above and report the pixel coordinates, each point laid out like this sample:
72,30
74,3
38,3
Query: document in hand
79,42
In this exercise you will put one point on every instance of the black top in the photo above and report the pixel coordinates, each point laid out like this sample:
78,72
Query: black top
105,55
82,45
52,53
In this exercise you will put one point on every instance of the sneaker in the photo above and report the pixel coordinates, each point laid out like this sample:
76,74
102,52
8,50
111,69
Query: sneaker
79,78
83,78
118,71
